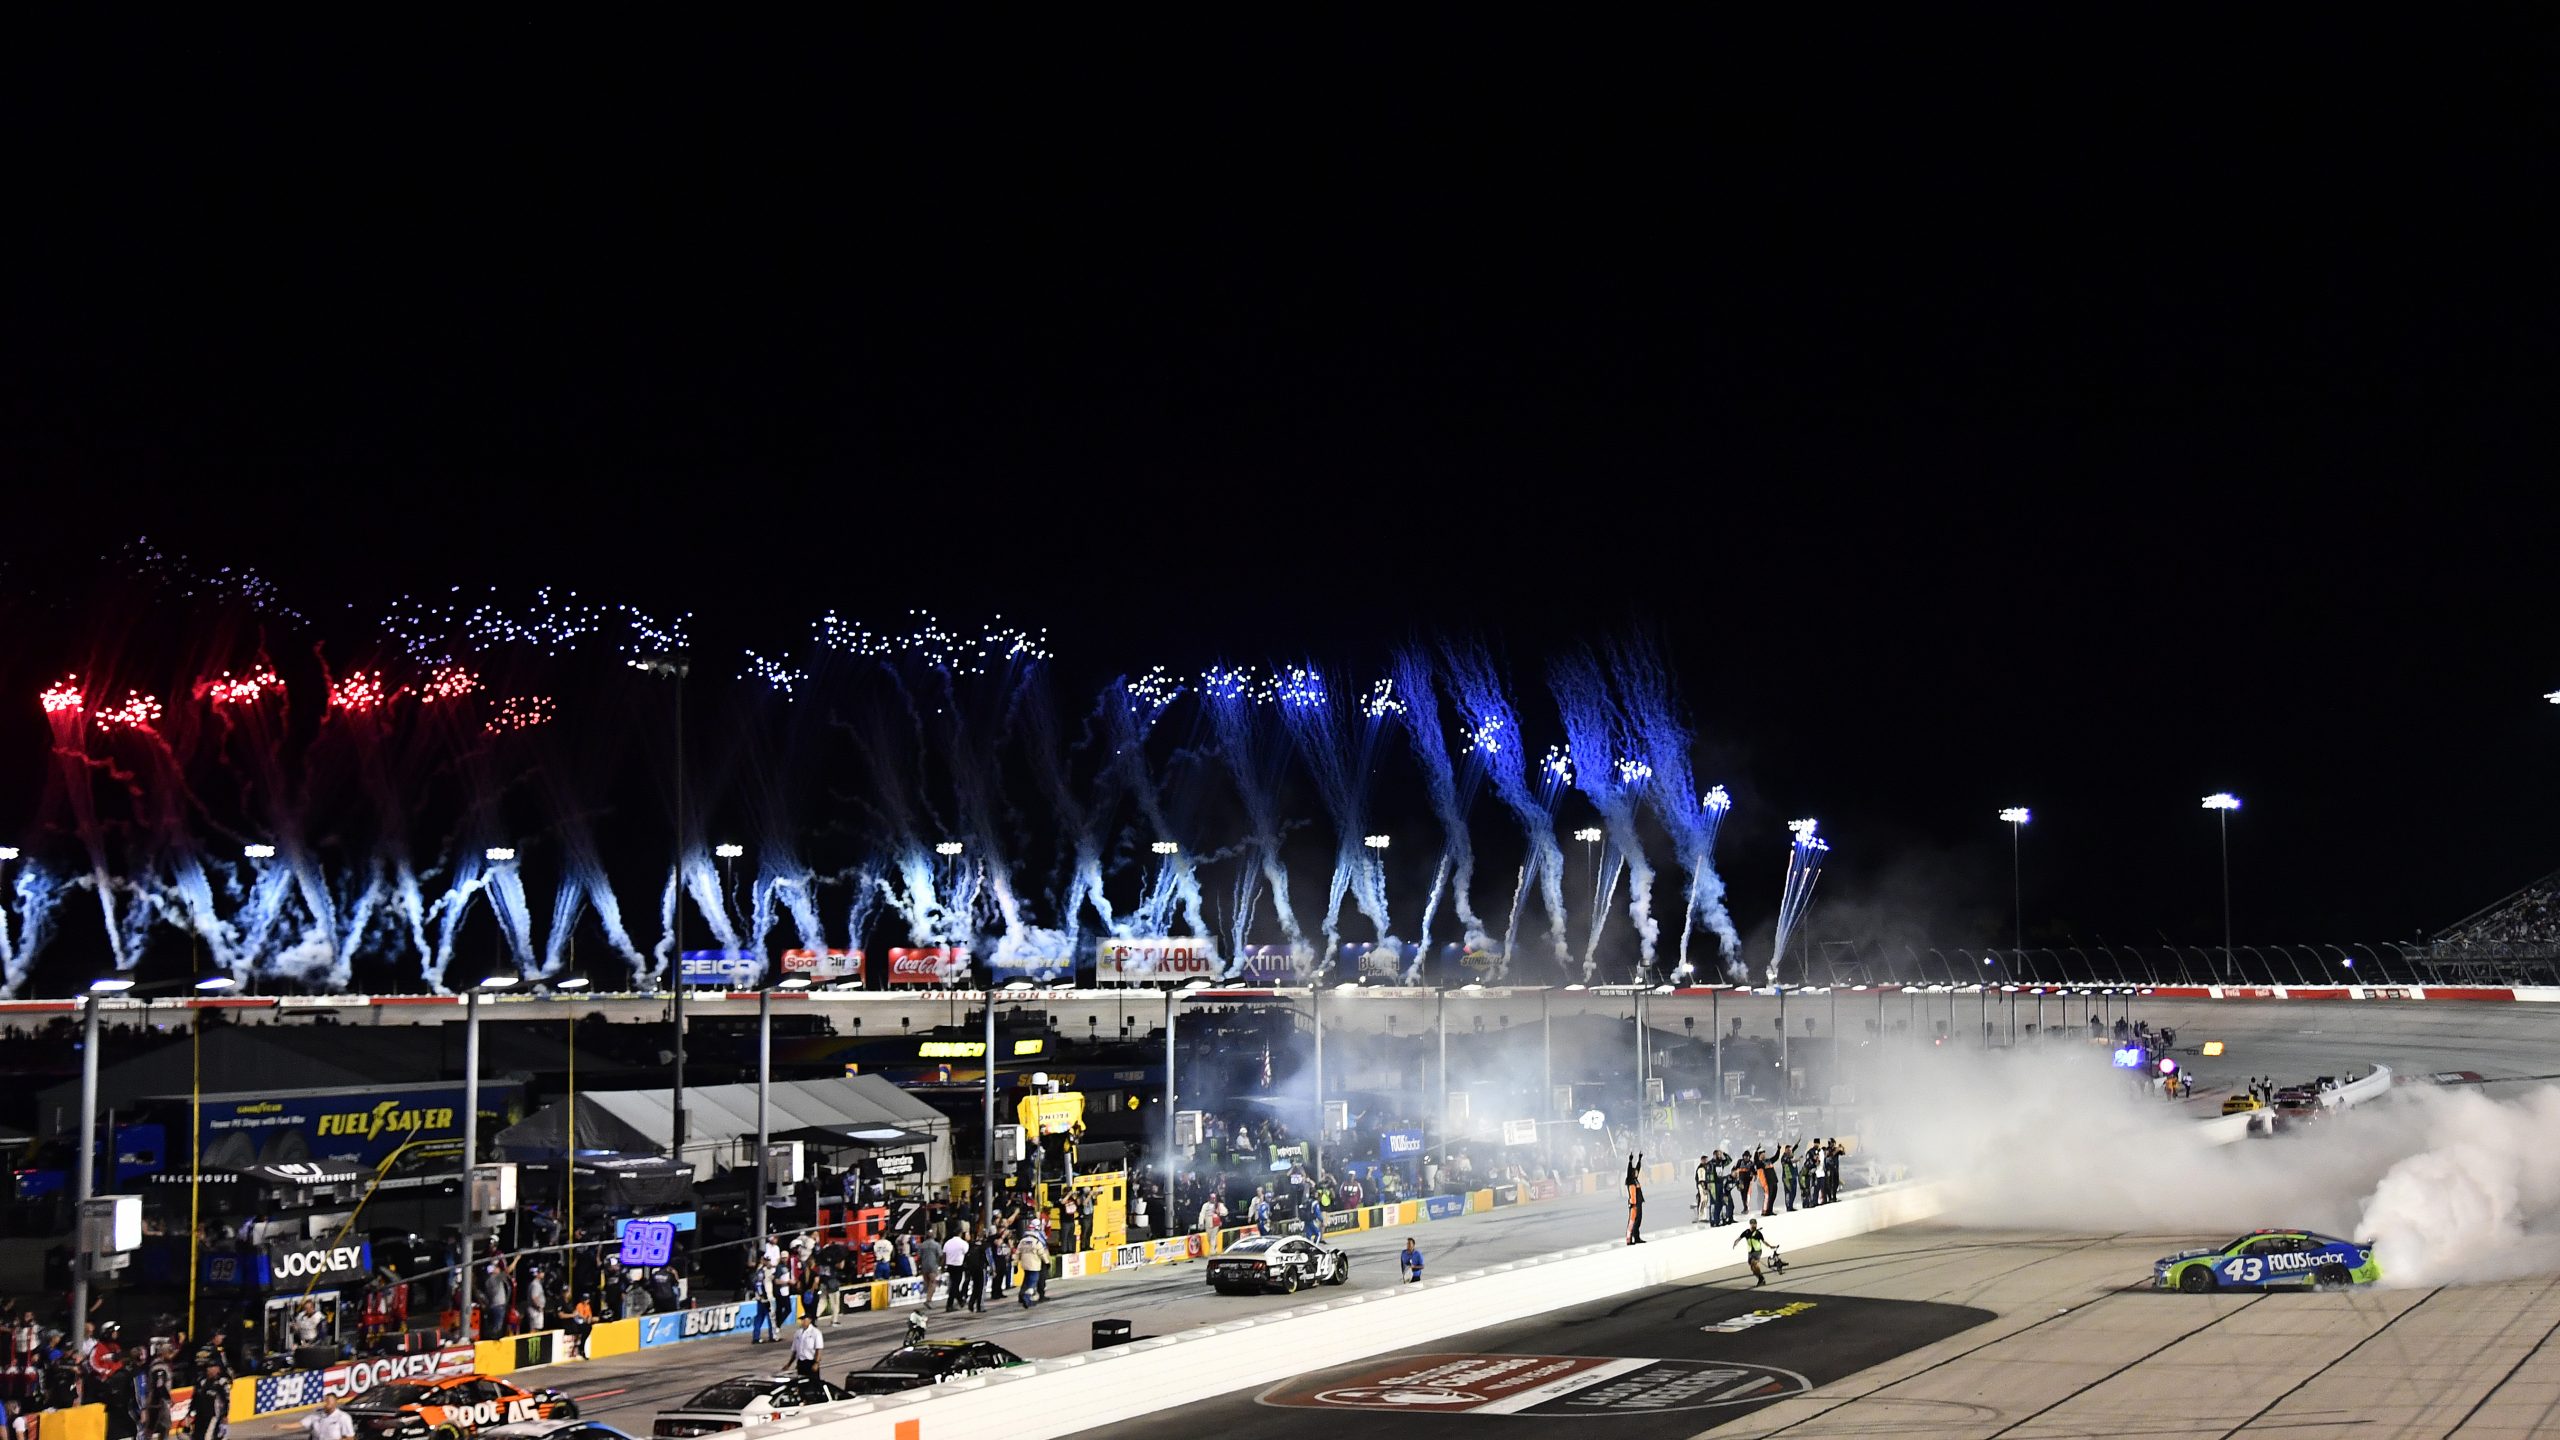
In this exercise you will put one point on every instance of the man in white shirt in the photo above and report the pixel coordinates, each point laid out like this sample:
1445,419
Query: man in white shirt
955,1257
805,1347
329,1422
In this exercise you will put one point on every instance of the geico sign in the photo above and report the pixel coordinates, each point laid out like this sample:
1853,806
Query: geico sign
295,1264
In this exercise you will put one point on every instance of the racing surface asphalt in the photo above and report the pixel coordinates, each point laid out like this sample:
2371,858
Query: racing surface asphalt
2036,1334
1928,1331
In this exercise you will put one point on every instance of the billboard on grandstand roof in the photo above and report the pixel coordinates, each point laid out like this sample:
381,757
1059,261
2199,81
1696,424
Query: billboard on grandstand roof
1137,960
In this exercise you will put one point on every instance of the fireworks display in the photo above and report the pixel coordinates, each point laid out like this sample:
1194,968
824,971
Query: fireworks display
333,812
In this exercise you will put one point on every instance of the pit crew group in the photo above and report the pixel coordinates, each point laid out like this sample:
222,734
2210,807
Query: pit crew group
1804,1179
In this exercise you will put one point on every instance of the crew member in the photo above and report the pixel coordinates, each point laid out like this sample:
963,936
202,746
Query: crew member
1752,1237
805,1347
1410,1262
1721,1196
1635,1200
1705,1180
1787,1171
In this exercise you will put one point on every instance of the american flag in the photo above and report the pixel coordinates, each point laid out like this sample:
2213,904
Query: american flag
286,1391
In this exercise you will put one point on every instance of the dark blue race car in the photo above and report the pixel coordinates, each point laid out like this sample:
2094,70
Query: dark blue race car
2270,1260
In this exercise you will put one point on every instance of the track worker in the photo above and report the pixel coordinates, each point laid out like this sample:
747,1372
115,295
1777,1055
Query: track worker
1410,1262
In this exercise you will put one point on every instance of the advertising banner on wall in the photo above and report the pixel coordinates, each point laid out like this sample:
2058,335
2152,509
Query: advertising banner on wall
1274,964
722,967
1048,963
822,967
1139,959
929,965
1369,960
359,1125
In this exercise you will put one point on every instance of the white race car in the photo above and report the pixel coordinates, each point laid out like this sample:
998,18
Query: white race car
1287,1263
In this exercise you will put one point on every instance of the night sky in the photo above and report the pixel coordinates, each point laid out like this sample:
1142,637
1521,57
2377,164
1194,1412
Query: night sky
2076,418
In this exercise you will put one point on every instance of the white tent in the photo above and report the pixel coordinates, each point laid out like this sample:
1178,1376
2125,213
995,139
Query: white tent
720,1117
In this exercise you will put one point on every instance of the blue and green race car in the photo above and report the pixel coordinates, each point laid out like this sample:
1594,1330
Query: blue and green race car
2270,1260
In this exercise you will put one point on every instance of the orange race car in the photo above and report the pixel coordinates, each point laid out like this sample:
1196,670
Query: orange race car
455,1405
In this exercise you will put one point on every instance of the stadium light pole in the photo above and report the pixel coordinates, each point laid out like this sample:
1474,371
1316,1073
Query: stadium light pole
471,1132
676,669
84,1167
2016,817
2222,803
764,1113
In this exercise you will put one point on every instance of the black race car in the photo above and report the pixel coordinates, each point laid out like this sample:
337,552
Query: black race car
1286,1263
913,1367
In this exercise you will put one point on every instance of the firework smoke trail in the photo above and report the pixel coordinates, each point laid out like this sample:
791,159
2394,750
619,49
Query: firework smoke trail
1079,824
864,905
1495,741
1411,673
908,886
1609,768
1130,710
583,885
1652,714
976,740
1232,698
1804,867
66,711
1339,764
36,894
784,885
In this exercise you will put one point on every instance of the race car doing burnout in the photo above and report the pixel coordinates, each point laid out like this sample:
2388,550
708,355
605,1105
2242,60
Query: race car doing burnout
1286,1263
2270,1260
458,1404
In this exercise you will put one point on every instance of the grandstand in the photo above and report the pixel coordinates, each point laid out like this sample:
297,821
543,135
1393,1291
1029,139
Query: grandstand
2515,940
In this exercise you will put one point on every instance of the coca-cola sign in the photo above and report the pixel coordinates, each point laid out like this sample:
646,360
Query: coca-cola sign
928,965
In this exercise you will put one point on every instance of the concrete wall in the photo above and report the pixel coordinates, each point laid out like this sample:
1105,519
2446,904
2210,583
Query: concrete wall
1061,1397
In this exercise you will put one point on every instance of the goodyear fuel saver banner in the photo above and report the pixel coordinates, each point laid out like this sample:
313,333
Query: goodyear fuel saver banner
362,1126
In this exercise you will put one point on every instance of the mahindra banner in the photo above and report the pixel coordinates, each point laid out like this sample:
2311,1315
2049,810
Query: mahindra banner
823,966
1159,957
928,965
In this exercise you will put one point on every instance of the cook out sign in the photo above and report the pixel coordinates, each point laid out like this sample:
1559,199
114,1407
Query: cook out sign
1156,958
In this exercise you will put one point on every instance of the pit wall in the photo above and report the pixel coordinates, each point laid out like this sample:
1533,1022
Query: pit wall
298,1390
1079,1392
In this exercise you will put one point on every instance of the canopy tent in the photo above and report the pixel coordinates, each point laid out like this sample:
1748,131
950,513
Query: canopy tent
642,1122
855,1137
612,1182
